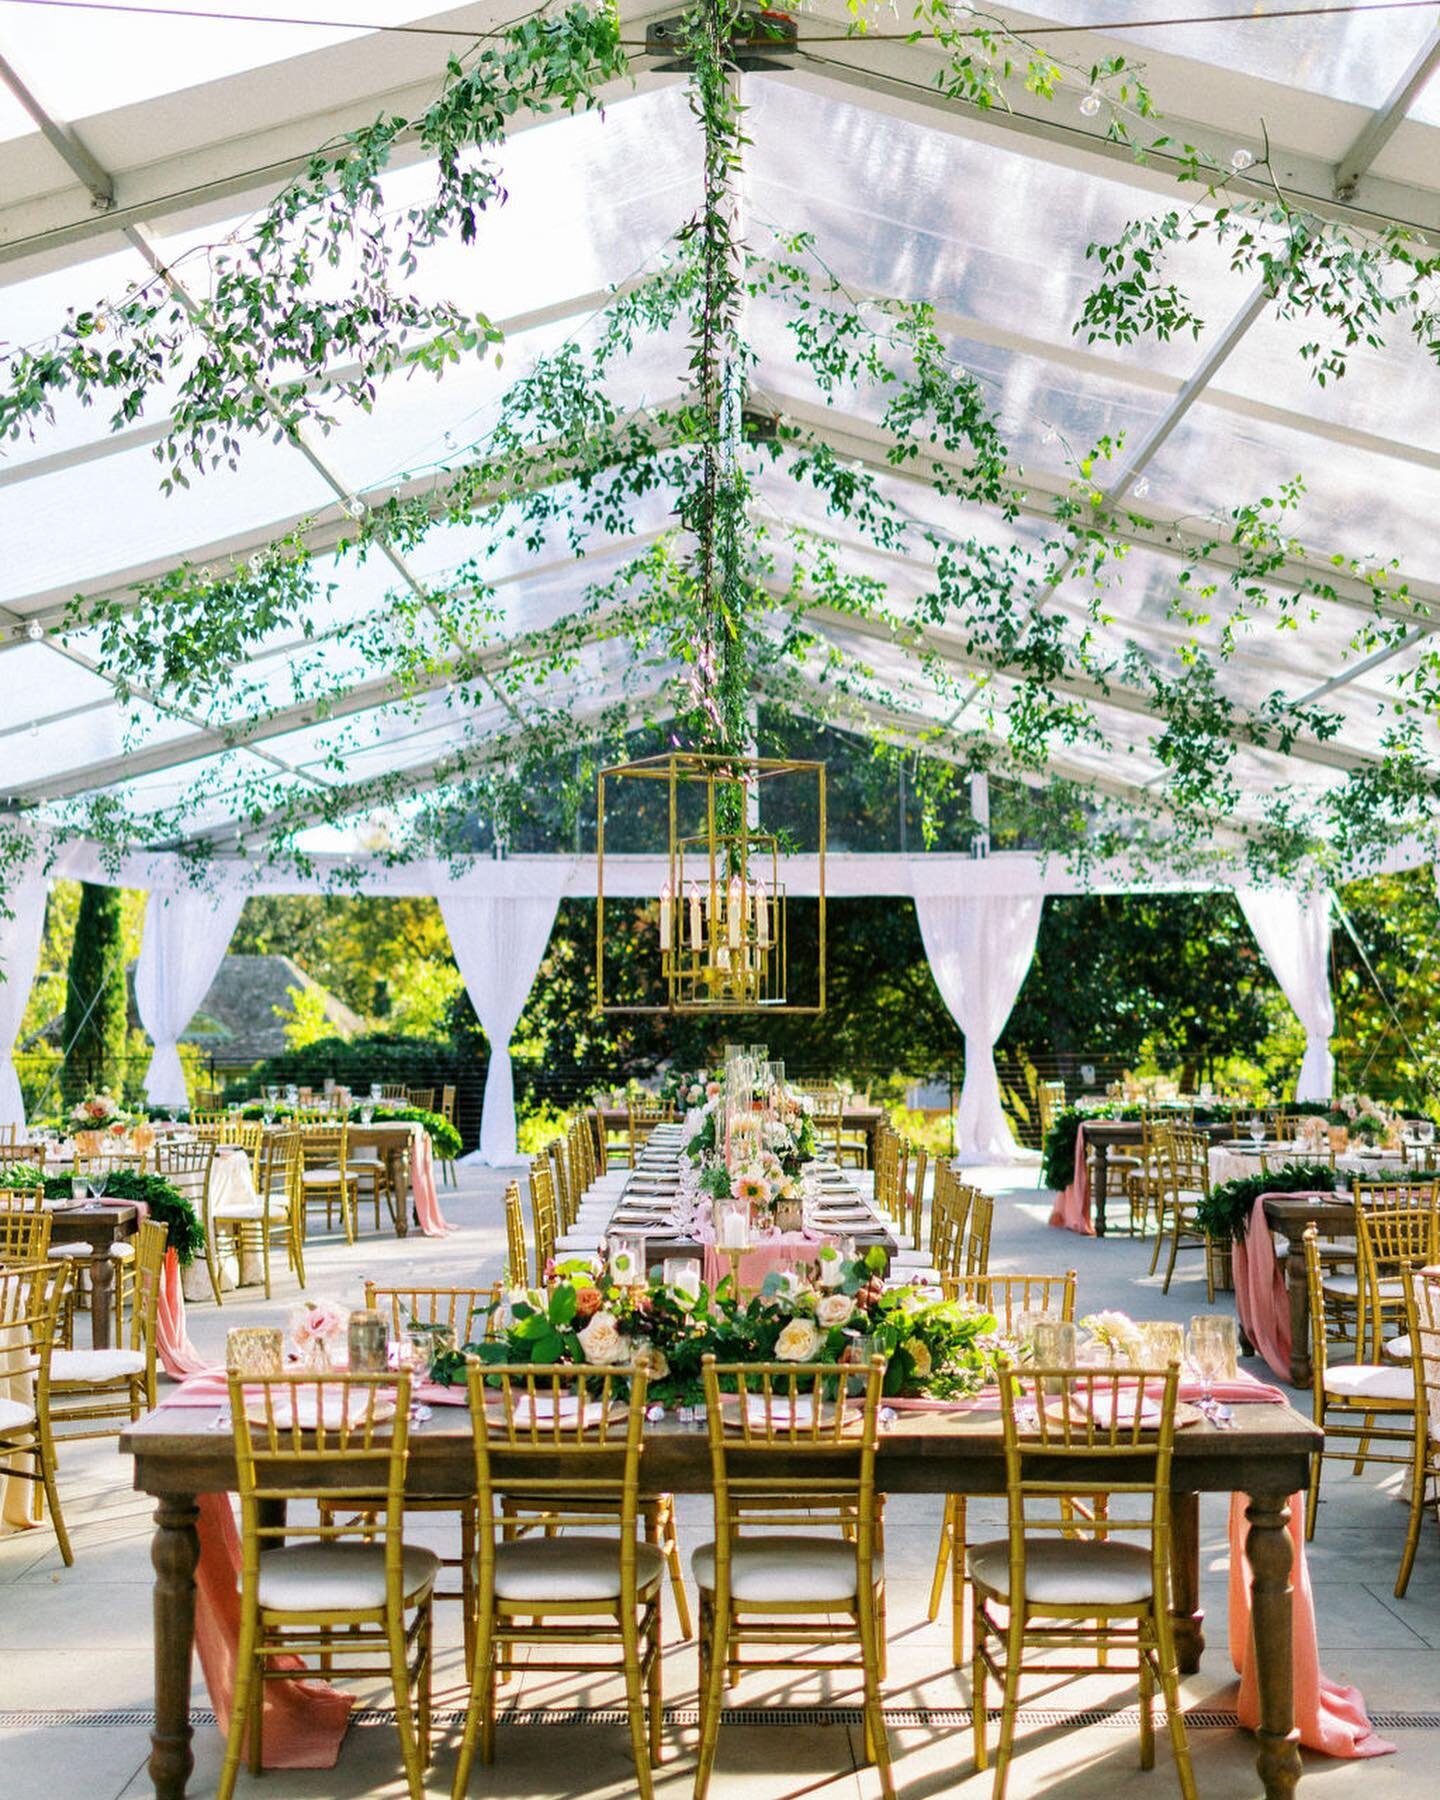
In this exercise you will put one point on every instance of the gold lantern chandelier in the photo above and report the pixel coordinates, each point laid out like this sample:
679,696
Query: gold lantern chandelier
719,939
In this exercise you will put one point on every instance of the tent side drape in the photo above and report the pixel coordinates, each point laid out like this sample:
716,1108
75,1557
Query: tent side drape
498,945
980,949
22,923
1293,932
185,939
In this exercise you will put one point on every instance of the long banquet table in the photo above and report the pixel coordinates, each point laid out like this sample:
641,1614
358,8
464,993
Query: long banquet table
182,1452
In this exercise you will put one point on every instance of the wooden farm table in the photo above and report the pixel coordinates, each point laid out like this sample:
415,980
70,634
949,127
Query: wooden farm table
864,1118
180,1453
100,1226
1105,1135
1333,1215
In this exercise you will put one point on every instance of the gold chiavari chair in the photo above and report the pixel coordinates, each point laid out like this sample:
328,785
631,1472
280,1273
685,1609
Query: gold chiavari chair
644,1116
1184,1182
373,1181
24,1226
977,1233
1012,1299
517,1255
1348,1398
1071,1583
31,1298
326,1178
1422,1345
1397,1224
1049,1104
1145,1181
562,1435
96,1163
447,1112
912,1205
559,1159
103,1390
467,1314
780,1436
278,1185
599,1138
424,1098
949,1229
543,1215
395,1091
340,1442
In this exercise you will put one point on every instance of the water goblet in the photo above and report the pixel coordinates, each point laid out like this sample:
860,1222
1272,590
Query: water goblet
1257,1129
1205,1351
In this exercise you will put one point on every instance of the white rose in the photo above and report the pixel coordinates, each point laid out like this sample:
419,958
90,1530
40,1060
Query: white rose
798,1342
601,1340
833,1310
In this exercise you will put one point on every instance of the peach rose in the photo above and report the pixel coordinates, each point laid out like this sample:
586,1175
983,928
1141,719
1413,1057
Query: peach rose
834,1309
601,1341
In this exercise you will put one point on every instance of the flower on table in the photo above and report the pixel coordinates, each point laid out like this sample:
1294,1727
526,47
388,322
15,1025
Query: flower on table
797,1342
603,1342
95,1109
318,1322
921,1361
1117,1333
588,1301
751,1185
834,1309
653,1360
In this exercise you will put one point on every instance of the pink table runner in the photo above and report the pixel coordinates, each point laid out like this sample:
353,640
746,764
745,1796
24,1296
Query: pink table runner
1261,1296
422,1185
780,1252
1072,1204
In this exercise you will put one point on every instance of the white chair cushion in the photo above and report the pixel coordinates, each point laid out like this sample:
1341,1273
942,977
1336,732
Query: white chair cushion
815,1571
95,1365
58,1250
1398,1349
570,1568
1067,1571
123,1252
321,1177
1349,1286
1370,1381
339,1577
238,1209
363,1156
13,1415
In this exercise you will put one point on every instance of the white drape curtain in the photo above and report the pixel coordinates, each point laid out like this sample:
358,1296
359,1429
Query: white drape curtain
22,922
184,942
980,948
1293,932
498,945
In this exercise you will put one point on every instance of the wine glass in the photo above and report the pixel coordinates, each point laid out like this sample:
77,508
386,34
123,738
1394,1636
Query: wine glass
1206,1352
1257,1129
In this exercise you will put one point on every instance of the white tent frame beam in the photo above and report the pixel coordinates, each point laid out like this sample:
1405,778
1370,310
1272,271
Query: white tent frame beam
1387,119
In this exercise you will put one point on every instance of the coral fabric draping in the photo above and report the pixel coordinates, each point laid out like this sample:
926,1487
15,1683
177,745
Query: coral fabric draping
1261,1296
498,943
1331,1718
184,942
1071,1211
422,1185
22,919
178,1356
1293,932
980,948
304,1721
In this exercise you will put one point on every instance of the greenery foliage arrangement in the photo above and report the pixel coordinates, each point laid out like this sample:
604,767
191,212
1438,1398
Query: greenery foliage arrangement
170,1207
728,601
1225,1211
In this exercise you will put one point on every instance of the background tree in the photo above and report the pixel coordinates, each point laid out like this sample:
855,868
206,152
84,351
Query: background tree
96,1002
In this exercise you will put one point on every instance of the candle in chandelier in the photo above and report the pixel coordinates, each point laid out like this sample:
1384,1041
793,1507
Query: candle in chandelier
762,916
697,924
666,897
735,910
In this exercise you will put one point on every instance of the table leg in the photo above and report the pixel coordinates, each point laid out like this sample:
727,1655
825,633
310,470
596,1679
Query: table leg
102,1299
1268,1547
1297,1288
1186,1611
400,1182
174,1554
1102,1182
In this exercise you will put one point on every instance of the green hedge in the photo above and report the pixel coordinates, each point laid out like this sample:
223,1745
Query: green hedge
357,1062
1225,1210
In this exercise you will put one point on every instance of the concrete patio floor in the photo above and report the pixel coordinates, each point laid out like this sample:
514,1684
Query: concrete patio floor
75,1671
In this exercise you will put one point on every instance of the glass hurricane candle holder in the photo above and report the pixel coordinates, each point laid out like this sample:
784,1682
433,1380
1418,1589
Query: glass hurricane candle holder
256,1352
627,1258
732,1224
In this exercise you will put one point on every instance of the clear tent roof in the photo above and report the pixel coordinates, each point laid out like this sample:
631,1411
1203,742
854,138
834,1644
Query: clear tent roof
193,124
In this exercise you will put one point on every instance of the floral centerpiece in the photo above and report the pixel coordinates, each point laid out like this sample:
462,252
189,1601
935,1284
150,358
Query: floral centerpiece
1117,1335
98,1112
1363,1118
685,1089
932,1347
316,1328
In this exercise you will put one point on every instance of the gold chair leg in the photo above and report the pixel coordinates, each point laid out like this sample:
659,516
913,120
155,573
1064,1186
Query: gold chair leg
943,1552
879,1744
957,1580
1175,1718
1147,1711
404,1718
1010,1701
978,1678
1418,1471
714,1691
244,1695
635,1706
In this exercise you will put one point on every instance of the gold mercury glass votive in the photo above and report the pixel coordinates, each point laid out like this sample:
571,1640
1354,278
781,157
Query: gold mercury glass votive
255,1350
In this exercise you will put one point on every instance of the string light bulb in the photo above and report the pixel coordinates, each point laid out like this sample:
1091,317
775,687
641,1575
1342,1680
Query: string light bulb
1141,487
34,630
1242,159
1090,105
